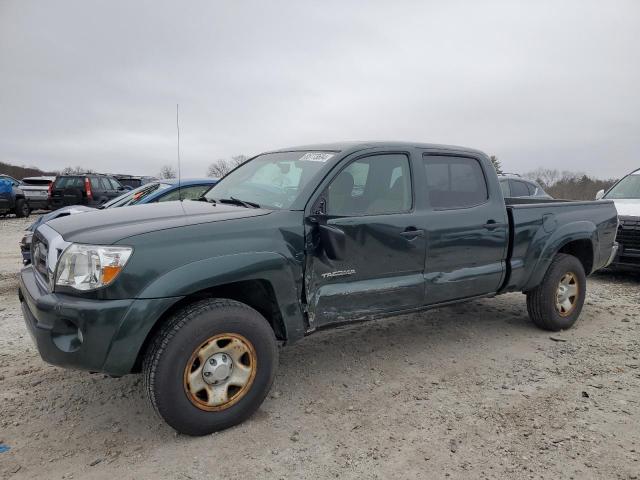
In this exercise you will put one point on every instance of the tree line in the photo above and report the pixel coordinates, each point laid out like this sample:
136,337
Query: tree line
563,184
569,185
21,172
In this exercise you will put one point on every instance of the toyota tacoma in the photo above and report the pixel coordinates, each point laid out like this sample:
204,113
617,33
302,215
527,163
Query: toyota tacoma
198,295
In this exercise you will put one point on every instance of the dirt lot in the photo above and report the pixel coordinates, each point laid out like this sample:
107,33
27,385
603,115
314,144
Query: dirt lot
472,391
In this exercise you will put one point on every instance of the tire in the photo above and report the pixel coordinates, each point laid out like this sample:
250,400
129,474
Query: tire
544,302
172,360
22,208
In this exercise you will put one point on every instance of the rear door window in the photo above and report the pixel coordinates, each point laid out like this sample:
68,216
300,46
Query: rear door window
455,182
518,188
104,184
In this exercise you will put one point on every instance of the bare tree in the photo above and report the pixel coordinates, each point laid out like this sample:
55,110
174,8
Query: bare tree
546,177
221,167
167,171
75,170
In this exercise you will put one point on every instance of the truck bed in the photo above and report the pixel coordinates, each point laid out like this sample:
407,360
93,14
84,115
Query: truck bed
538,228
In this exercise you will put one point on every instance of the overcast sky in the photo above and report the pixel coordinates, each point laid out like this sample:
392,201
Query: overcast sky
553,84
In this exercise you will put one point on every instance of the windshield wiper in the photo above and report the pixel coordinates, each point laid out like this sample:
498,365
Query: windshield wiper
237,201
205,199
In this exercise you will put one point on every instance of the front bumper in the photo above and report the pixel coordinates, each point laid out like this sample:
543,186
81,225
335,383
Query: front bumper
96,335
614,253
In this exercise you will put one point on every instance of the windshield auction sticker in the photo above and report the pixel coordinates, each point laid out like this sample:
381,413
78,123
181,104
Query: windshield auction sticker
316,157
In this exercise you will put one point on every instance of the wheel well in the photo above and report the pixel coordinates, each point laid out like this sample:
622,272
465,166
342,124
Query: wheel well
258,294
582,250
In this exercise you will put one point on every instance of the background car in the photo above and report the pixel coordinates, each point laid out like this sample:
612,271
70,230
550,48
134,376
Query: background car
133,181
91,189
159,191
12,199
36,191
514,186
164,191
626,195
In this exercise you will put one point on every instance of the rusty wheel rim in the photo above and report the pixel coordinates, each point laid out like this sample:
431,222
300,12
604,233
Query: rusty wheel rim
567,294
220,372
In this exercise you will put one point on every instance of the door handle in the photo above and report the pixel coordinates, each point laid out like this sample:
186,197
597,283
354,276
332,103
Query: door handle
412,232
492,224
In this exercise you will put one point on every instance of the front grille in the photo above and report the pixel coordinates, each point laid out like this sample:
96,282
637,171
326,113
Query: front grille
629,239
39,254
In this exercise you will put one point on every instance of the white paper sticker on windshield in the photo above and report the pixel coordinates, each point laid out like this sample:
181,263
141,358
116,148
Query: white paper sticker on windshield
316,157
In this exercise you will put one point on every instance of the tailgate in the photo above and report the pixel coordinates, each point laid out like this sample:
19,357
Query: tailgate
63,197
35,191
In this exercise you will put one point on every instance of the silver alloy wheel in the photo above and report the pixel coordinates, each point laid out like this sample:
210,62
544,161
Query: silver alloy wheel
567,294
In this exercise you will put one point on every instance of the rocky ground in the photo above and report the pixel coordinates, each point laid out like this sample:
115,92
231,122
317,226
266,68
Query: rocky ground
472,391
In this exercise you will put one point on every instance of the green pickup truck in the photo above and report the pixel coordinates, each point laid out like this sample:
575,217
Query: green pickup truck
198,295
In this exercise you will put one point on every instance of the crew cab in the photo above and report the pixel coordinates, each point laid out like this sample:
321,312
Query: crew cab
198,295
626,195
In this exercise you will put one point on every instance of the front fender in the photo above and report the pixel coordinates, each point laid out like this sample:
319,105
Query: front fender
550,245
166,290
215,271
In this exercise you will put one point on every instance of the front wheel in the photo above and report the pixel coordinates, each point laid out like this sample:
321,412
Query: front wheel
556,303
211,366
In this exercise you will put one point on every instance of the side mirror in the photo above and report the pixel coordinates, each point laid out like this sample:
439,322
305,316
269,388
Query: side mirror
333,241
600,194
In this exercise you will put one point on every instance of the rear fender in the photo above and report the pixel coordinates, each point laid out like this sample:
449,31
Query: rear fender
582,230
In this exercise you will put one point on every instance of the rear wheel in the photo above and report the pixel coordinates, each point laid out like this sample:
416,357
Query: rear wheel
556,303
22,208
211,366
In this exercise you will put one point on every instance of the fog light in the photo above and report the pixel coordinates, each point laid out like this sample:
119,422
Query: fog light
66,335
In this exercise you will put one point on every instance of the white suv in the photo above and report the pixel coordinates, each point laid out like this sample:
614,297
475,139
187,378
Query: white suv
626,195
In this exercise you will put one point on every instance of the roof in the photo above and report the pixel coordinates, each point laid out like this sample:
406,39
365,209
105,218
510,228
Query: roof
359,145
45,177
511,175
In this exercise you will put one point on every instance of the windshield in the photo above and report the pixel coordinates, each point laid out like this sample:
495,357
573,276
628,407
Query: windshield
628,187
272,180
135,196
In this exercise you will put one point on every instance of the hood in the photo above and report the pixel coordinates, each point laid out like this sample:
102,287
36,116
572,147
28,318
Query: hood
628,207
113,224
61,212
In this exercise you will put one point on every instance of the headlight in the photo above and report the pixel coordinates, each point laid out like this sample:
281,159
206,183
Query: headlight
26,240
87,267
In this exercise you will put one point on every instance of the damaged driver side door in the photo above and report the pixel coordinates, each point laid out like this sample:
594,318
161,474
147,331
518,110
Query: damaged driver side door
366,247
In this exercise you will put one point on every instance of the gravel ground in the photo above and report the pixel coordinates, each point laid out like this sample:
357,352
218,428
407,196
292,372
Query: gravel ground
472,391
